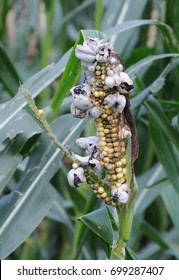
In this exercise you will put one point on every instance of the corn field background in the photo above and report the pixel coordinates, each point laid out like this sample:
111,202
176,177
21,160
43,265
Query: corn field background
41,216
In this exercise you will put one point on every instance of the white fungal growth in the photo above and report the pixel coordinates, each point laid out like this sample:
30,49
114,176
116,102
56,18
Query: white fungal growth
95,112
118,195
83,160
95,163
126,83
120,104
87,52
83,89
103,52
125,78
117,101
82,102
76,112
81,97
124,187
119,68
109,82
125,133
88,143
117,79
83,54
76,177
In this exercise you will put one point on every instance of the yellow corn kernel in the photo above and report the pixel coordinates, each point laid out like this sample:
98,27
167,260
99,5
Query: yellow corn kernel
96,93
102,144
106,130
114,204
116,149
75,165
109,118
118,185
119,170
104,116
118,164
101,93
101,134
113,187
106,159
40,112
100,190
114,129
120,175
124,171
108,111
103,77
116,154
113,177
123,149
111,151
107,199
103,139
104,195
100,124
100,128
98,73
104,153
99,120
123,161
105,149
116,144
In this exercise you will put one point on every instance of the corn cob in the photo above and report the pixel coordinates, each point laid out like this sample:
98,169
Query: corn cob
104,97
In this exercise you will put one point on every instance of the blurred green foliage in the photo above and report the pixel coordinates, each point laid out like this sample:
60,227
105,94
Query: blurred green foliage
41,216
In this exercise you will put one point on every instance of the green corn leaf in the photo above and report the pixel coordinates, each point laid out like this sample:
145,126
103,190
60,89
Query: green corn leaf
8,74
150,185
111,13
129,10
163,147
154,251
147,61
92,33
74,13
32,198
169,103
69,78
81,229
4,7
130,254
21,216
157,84
10,157
171,200
72,70
23,123
153,234
128,25
99,222
57,211
9,161
11,111
98,14
156,113
148,195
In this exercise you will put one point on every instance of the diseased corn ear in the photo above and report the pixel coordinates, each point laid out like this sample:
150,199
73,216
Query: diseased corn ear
102,98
